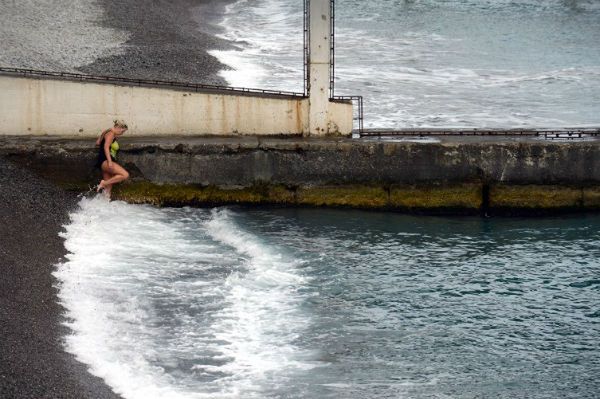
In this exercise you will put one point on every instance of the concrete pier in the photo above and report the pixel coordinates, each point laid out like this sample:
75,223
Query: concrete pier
34,104
56,103
454,175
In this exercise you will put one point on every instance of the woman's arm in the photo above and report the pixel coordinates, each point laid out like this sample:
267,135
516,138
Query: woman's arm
108,139
100,138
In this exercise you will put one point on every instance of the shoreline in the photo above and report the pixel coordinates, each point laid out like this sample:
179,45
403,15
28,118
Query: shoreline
145,39
55,35
168,41
259,171
34,361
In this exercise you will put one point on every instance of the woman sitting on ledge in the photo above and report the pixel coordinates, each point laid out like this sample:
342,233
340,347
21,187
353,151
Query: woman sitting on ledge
112,172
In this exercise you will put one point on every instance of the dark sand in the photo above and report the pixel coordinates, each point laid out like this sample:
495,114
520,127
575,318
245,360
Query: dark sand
33,363
168,40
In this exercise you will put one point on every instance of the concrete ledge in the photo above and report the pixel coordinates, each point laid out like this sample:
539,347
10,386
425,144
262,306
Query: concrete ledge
454,175
438,199
591,198
356,196
456,199
467,196
141,192
536,197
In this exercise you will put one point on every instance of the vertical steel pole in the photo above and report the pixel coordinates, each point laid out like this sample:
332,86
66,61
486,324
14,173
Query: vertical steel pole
332,52
306,39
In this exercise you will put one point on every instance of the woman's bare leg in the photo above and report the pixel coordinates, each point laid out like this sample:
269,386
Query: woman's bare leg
105,176
117,172
108,191
107,187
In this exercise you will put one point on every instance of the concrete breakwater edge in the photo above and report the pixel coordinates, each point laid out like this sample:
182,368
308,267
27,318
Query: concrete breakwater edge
454,175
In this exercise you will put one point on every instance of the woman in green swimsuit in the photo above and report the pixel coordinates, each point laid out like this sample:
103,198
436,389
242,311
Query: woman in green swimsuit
112,172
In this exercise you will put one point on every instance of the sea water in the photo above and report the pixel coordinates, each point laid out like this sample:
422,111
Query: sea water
314,303
435,63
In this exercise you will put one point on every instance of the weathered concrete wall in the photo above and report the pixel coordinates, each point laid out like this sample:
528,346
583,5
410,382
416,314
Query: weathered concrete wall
320,65
32,106
455,175
339,118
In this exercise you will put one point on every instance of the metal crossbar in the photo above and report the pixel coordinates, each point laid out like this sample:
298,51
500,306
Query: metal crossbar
306,39
550,134
358,100
198,87
359,109
332,51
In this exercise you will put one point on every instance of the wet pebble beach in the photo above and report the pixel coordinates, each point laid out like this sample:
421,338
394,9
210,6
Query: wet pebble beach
237,266
163,40
166,40
33,362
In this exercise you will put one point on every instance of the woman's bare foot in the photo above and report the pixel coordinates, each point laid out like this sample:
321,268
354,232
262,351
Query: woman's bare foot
100,186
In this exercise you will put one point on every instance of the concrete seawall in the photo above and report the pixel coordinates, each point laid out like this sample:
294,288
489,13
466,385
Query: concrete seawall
455,175
40,105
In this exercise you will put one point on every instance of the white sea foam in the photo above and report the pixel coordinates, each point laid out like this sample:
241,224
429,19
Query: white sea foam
179,303
268,35
261,318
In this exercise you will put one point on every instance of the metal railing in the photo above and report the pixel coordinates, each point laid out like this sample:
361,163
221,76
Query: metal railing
358,100
200,87
549,134
306,39
197,87
332,50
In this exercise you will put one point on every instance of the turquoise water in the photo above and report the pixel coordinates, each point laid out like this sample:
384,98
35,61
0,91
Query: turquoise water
436,63
312,303
462,308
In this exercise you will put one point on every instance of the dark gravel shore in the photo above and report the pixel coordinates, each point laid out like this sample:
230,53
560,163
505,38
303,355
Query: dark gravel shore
33,363
169,40
151,39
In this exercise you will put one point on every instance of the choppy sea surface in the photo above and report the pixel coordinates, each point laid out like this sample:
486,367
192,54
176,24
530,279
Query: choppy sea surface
435,63
313,303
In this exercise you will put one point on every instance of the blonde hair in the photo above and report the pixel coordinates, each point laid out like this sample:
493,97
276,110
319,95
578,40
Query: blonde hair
120,123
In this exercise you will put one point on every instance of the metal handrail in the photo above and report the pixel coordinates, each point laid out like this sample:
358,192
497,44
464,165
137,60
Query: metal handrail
551,134
201,87
332,96
198,87
332,50
306,51
359,109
